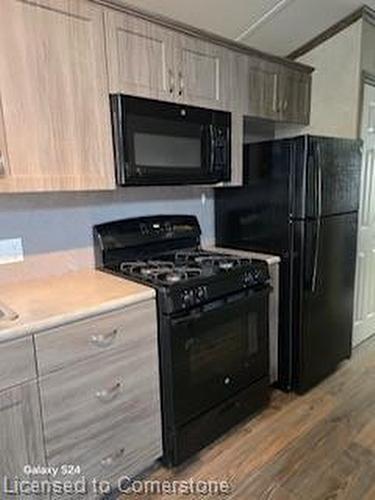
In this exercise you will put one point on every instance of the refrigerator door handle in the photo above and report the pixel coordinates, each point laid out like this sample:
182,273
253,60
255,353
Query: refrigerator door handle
316,257
319,187
318,221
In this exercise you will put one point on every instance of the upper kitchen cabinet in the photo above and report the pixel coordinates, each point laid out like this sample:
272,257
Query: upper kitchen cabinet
201,72
54,115
293,96
262,88
141,57
276,92
148,60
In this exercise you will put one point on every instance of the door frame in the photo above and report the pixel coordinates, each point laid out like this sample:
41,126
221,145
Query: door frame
367,78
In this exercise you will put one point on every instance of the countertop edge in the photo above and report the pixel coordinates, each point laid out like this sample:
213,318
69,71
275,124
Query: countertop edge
16,332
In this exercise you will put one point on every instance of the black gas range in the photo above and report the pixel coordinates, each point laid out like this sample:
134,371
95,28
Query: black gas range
213,325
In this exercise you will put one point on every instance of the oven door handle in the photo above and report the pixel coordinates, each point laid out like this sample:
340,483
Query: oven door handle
187,318
221,306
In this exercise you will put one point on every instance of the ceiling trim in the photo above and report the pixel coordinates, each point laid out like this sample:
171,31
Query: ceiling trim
281,5
364,12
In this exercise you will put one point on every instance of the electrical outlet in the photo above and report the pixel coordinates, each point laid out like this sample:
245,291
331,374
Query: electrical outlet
11,250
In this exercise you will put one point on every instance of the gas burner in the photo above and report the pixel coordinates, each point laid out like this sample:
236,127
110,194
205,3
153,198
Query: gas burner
171,277
146,268
226,265
178,274
157,264
190,255
129,266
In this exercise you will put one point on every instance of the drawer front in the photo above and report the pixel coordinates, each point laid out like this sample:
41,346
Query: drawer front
17,362
104,413
21,437
123,453
105,333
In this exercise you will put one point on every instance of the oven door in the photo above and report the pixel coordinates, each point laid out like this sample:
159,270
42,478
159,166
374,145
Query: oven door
159,143
218,351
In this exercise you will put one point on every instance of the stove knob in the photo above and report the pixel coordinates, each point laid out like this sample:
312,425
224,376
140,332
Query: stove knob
248,279
187,298
257,273
200,293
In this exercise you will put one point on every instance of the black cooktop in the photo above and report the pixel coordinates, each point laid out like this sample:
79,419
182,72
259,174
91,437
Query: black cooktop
182,267
165,252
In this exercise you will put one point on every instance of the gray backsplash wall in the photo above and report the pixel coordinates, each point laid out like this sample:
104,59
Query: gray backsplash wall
63,221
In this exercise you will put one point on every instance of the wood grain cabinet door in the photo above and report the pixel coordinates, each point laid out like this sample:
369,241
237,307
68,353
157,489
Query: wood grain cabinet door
140,57
262,78
202,70
54,94
278,93
21,441
294,96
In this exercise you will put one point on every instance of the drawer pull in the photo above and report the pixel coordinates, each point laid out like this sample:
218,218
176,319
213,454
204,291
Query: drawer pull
111,459
107,395
104,340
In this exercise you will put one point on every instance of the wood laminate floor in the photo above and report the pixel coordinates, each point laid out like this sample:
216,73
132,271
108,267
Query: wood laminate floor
320,446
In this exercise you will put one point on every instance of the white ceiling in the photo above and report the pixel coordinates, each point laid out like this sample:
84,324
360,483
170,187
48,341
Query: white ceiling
275,26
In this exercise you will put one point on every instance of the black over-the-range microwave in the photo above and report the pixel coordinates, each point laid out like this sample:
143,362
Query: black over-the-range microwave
161,143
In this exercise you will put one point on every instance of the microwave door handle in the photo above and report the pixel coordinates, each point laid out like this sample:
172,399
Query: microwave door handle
212,147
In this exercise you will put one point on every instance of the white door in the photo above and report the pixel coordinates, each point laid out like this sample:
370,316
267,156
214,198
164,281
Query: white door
364,313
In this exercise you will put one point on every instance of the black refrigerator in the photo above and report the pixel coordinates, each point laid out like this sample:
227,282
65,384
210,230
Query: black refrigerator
300,201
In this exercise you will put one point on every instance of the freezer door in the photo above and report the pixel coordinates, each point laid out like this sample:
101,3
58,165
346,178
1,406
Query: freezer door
257,215
324,330
333,170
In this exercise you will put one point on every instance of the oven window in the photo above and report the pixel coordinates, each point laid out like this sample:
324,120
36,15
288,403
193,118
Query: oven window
157,150
220,349
219,353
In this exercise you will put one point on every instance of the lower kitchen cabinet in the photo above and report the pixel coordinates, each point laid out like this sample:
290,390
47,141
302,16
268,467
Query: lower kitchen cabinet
102,413
21,437
92,416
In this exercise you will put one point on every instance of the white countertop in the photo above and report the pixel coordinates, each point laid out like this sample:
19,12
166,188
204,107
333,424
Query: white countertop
48,303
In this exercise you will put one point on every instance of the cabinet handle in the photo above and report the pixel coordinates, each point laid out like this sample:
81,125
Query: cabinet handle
181,83
103,340
171,81
107,395
2,165
108,461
